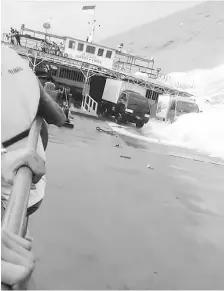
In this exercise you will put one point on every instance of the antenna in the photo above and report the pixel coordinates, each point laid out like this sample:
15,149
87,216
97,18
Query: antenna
93,27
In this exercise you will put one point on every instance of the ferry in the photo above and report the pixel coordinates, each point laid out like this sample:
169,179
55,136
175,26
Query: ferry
82,67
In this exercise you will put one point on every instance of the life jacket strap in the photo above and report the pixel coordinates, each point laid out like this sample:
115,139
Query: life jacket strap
16,138
22,135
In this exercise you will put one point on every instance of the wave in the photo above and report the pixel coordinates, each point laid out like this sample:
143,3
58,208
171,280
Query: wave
204,131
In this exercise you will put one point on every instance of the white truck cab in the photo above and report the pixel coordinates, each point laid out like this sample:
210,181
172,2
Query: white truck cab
169,108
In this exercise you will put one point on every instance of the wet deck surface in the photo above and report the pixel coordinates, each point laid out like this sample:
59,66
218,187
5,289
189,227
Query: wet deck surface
112,223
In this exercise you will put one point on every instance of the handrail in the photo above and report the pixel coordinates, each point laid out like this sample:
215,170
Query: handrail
89,104
152,85
118,65
15,214
43,33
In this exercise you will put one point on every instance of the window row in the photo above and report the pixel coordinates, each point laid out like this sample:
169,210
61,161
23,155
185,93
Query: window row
71,75
89,49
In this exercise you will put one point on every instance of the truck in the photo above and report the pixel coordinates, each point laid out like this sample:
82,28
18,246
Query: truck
126,102
170,108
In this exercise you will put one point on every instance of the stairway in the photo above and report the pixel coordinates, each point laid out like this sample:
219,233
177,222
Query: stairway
89,105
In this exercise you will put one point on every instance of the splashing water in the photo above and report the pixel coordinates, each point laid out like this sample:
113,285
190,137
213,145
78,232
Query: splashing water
203,132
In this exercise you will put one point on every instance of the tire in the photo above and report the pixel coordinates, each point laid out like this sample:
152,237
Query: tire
139,124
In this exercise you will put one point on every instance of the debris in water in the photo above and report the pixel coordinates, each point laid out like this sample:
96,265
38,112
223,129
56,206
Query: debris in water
125,157
110,132
118,126
150,167
196,160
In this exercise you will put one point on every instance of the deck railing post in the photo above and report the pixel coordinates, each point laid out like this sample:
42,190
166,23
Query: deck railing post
15,214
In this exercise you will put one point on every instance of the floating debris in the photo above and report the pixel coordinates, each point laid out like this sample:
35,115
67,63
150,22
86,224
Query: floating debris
110,132
150,167
117,126
125,157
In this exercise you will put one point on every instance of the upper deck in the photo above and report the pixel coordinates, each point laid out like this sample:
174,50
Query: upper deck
98,59
91,52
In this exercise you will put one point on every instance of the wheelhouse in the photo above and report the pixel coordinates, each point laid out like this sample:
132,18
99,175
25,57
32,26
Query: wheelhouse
89,52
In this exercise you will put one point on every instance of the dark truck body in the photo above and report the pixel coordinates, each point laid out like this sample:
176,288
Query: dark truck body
125,101
132,107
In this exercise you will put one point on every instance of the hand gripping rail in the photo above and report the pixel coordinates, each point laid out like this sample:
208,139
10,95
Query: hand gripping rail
15,214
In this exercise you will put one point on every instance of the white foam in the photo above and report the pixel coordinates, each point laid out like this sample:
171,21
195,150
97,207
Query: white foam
204,131
204,84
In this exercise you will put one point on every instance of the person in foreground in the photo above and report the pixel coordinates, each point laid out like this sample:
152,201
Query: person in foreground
22,102
22,98
17,261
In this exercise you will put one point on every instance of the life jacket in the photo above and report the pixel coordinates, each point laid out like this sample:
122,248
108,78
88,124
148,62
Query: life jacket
20,100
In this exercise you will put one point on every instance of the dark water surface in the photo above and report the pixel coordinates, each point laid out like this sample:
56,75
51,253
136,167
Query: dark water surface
113,223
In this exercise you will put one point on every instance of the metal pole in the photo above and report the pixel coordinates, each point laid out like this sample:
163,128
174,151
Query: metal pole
17,206
94,20
15,214
93,27
35,60
86,81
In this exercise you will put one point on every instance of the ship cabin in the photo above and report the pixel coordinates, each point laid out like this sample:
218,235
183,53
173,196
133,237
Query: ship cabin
89,52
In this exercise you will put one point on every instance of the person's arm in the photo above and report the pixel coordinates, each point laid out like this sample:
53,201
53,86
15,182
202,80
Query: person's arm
17,261
48,108
11,161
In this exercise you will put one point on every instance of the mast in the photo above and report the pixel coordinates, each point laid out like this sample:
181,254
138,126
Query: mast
47,26
93,27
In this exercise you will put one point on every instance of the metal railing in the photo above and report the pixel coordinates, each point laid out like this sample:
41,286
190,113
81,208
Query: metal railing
89,104
121,63
118,74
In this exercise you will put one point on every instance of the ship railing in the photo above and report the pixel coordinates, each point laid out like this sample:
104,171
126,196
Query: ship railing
32,52
32,47
89,104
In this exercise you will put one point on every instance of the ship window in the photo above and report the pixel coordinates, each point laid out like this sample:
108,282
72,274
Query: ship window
90,49
80,46
100,52
108,54
71,44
